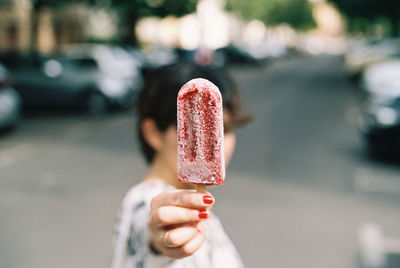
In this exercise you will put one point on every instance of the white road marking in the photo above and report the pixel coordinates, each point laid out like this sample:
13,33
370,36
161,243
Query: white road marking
378,181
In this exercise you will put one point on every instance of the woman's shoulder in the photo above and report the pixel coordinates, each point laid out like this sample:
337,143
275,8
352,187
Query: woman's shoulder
143,192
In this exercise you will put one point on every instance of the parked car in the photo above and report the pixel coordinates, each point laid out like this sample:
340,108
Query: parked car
137,54
380,120
109,59
229,55
362,54
69,82
160,56
10,103
382,80
380,127
234,55
269,49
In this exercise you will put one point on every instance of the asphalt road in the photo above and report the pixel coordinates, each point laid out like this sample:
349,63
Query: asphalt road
298,188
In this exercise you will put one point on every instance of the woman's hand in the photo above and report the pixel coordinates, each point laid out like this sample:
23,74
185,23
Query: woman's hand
176,222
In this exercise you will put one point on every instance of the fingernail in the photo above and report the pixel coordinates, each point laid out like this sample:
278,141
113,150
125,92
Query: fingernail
203,214
208,199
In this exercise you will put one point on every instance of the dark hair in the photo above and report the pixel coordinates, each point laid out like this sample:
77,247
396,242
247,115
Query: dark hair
157,100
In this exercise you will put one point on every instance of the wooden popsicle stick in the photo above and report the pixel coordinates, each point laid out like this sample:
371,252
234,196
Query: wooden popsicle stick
201,189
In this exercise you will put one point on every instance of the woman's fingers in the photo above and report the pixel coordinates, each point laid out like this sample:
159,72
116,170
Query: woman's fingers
183,198
176,221
170,215
179,236
187,249
201,226
194,244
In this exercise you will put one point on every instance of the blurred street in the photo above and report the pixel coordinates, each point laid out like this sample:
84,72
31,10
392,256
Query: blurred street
299,182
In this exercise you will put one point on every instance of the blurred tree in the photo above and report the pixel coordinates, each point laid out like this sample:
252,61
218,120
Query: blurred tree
371,11
132,10
39,5
296,13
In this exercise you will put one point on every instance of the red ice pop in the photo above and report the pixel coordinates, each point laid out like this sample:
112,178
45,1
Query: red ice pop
200,133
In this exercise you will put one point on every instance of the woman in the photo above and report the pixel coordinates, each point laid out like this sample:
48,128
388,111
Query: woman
163,222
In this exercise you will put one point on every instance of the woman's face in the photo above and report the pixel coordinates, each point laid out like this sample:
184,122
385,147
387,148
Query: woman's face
168,152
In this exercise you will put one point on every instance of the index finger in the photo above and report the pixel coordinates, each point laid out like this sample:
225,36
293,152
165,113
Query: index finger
183,198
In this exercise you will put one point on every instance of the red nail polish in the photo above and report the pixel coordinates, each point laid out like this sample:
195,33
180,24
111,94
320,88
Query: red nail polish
203,214
208,199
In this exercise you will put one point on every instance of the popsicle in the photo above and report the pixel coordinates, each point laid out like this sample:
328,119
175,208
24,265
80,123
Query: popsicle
200,133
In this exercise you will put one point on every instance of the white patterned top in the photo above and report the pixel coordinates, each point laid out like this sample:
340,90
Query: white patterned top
131,239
